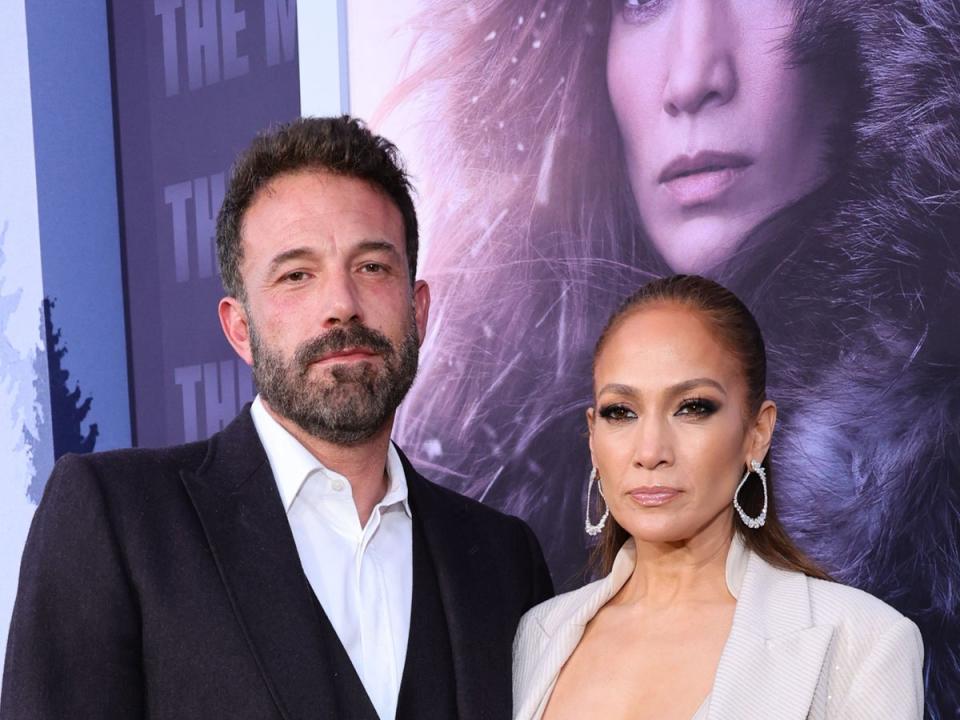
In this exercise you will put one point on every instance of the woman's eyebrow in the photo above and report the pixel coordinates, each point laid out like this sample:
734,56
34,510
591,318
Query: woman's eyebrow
678,389
618,389
688,385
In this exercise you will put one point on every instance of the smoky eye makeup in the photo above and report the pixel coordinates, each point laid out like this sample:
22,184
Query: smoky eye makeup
697,407
616,412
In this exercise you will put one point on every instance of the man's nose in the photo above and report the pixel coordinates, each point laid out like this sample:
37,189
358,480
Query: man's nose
341,303
702,71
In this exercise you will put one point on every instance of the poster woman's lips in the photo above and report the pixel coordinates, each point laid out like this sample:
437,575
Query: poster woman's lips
704,177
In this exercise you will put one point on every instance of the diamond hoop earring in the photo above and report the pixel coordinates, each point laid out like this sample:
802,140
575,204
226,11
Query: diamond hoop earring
760,519
591,529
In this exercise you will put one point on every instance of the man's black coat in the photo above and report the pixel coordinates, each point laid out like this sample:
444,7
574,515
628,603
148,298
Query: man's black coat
166,584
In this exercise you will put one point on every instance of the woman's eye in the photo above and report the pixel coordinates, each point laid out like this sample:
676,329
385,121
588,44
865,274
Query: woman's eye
697,407
616,413
639,11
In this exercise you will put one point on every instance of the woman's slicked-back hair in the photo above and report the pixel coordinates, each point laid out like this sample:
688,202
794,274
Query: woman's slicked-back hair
737,330
726,314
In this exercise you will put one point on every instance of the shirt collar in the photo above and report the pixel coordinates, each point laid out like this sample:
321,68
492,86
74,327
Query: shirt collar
292,463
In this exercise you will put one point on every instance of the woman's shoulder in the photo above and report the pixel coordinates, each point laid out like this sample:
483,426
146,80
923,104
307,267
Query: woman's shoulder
861,620
864,629
868,655
846,606
556,611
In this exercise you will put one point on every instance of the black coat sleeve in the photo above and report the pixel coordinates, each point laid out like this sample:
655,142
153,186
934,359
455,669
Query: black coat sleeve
74,648
541,586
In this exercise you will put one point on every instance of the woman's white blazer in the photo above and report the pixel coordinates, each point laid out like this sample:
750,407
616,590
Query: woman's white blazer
799,648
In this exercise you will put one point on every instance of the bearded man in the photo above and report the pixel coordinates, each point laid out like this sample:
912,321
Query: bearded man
294,565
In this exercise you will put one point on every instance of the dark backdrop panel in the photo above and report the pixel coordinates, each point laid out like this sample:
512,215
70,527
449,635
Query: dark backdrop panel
195,80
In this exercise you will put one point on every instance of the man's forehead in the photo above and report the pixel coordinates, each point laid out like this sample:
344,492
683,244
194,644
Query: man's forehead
317,204
321,184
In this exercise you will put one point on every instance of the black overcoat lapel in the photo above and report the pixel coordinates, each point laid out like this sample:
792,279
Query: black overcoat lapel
236,497
471,597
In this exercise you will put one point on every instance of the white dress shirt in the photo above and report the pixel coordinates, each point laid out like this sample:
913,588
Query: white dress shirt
362,576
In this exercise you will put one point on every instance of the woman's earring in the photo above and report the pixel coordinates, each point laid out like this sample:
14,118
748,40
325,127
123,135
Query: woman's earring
593,530
760,519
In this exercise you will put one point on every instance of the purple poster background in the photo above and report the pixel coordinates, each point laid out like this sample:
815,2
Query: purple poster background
195,80
548,130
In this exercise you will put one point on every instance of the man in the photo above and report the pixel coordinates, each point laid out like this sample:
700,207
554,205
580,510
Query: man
295,565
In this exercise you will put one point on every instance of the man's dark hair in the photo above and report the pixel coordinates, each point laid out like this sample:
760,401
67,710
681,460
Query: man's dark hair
340,146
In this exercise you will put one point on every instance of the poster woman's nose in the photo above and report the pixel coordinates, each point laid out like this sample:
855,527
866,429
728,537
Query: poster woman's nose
701,64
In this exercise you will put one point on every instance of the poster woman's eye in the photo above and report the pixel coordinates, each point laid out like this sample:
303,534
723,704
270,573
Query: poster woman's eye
636,12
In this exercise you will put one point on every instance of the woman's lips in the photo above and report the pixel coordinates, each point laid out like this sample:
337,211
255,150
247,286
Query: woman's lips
702,178
653,496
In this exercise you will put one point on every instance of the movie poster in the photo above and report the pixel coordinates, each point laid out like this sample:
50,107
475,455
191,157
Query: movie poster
805,154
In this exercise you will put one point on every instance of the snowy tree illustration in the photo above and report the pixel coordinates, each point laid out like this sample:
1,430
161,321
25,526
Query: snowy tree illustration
66,407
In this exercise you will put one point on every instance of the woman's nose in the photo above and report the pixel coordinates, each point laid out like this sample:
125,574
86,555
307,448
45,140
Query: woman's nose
653,443
702,71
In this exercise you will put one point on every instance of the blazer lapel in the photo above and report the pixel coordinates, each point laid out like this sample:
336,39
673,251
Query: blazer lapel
771,664
562,631
236,497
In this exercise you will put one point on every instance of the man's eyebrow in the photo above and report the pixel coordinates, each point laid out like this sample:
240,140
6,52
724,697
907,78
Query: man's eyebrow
678,389
377,245
296,253
299,253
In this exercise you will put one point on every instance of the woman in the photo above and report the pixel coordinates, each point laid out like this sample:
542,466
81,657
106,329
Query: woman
708,610
819,178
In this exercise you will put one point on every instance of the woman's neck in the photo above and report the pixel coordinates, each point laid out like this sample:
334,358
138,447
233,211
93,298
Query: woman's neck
692,570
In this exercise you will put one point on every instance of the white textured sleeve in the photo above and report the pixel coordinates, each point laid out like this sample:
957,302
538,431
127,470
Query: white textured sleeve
888,684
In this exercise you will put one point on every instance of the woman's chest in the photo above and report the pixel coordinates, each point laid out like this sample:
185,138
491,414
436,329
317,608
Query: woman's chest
660,668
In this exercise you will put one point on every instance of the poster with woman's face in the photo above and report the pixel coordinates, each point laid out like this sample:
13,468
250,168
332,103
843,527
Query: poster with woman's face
805,154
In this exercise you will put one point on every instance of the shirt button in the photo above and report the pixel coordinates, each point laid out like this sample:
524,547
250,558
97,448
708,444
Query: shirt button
337,485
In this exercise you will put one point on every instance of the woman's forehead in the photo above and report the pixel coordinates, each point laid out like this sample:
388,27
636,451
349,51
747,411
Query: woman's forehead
666,344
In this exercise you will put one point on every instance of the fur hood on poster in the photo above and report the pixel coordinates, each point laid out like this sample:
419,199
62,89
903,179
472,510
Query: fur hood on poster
857,288
873,285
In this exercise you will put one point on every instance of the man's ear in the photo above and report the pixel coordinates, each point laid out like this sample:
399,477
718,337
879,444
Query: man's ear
236,327
421,307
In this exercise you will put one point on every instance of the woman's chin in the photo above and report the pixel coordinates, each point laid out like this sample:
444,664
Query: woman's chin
660,531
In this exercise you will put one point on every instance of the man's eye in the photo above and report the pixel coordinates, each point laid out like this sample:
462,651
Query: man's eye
372,267
616,413
296,276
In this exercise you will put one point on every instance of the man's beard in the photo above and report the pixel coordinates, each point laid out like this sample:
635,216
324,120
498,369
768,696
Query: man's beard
356,400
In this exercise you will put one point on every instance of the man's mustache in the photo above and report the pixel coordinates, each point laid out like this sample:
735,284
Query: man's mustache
340,338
